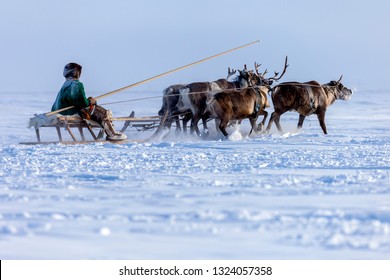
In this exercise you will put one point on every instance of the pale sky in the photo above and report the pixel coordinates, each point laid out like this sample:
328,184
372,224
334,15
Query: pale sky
121,42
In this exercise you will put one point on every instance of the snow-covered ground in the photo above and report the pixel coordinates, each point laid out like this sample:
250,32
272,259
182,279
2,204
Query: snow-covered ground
302,195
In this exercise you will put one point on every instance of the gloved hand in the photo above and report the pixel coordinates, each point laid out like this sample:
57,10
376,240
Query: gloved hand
92,101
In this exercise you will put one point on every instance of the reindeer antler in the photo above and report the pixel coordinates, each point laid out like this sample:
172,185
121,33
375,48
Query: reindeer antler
339,79
230,73
275,78
257,68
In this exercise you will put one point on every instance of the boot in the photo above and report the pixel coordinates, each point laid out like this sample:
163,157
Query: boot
109,129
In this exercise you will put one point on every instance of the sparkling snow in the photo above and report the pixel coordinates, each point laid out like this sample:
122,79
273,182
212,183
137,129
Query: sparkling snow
300,195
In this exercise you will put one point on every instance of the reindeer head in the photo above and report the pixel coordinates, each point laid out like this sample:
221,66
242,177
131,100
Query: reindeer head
340,91
259,79
244,77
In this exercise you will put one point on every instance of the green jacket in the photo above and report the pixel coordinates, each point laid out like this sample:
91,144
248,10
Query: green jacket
71,94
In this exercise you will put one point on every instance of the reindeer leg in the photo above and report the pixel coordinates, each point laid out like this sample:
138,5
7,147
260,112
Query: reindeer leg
194,124
205,128
270,122
277,122
260,127
192,129
301,119
222,126
186,118
275,115
217,124
321,118
185,125
177,121
205,117
168,122
253,125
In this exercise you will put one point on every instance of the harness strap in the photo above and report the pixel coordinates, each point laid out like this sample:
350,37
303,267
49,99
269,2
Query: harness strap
256,109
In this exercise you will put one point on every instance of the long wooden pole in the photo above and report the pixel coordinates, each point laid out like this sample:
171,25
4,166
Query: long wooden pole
160,75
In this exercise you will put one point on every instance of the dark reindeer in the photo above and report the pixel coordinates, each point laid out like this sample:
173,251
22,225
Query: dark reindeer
169,101
238,104
193,97
306,98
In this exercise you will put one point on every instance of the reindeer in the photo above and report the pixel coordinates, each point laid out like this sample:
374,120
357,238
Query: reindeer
193,96
259,79
169,101
306,98
230,105
238,104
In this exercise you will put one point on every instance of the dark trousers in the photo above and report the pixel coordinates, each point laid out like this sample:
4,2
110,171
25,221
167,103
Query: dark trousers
96,113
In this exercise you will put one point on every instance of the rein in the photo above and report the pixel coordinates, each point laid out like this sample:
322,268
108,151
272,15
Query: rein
176,94
199,92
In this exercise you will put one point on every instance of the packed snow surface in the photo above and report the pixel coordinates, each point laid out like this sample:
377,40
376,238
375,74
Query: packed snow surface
299,195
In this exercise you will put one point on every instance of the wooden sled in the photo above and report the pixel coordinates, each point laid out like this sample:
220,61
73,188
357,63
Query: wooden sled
70,122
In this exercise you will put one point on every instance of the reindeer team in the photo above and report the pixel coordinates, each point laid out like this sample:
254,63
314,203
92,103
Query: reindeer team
246,98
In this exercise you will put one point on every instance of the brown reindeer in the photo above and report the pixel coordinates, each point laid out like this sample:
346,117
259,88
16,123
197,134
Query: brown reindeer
231,105
306,98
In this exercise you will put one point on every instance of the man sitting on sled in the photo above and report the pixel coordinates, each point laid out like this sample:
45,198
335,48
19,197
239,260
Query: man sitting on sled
72,94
